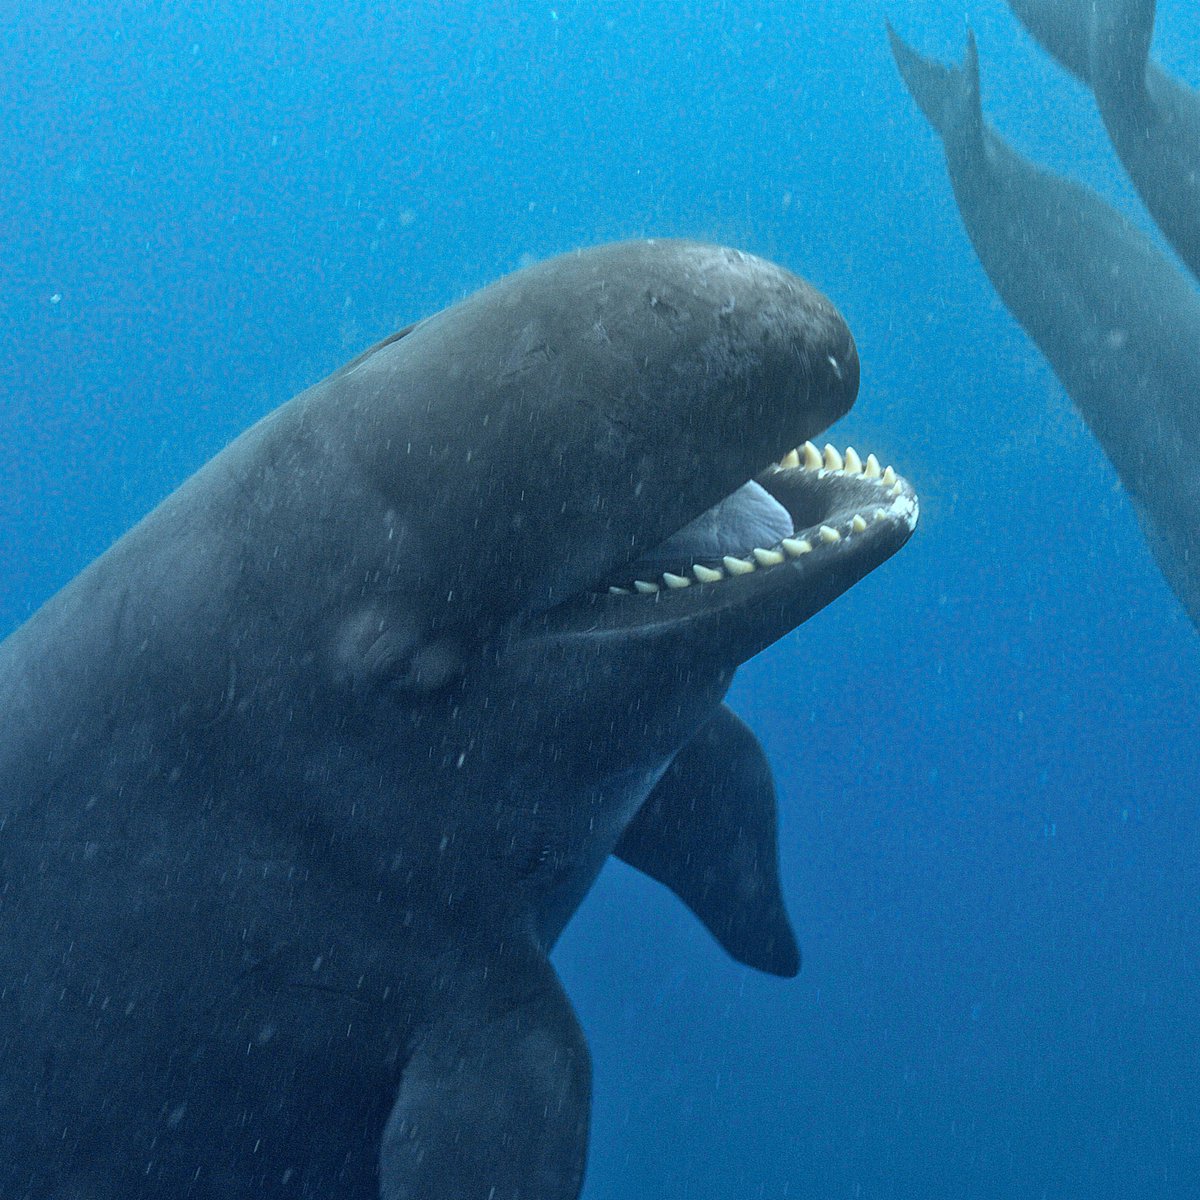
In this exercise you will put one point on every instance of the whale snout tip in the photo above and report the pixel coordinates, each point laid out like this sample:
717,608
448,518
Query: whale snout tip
752,333
803,318
811,343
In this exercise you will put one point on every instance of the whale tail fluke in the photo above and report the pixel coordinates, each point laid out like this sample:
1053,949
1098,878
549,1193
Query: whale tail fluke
927,81
948,96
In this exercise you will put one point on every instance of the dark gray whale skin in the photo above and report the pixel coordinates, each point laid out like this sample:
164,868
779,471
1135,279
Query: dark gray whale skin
301,780
1152,119
1117,321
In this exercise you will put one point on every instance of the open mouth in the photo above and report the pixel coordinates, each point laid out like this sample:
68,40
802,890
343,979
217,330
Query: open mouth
809,505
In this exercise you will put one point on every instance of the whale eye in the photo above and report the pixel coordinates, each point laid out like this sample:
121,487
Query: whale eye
431,667
374,646
379,648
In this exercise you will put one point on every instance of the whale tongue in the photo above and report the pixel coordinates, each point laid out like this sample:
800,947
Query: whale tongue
749,517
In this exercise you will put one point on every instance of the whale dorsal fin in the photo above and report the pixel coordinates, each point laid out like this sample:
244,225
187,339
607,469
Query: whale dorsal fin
371,351
708,832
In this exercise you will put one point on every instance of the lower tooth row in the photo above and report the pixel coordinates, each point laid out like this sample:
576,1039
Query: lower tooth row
789,548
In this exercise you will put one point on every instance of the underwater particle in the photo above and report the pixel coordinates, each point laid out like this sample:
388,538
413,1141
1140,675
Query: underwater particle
56,298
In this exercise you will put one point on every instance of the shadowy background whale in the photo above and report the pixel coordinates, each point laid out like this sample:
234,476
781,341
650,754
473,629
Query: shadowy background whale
1152,118
1117,320
986,819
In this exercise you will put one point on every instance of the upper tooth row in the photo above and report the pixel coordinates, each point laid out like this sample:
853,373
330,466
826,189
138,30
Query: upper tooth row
812,459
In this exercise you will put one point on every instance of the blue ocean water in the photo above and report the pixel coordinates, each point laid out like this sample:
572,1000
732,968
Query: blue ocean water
986,752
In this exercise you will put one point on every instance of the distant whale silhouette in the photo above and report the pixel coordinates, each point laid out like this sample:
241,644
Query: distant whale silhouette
1152,118
1115,318
302,779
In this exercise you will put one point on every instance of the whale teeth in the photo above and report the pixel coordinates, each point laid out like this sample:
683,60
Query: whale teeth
737,566
903,506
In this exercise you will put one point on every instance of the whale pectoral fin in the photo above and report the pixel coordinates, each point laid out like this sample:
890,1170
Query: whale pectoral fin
495,1100
708,832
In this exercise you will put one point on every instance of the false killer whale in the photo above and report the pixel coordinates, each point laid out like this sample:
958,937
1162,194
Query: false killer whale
1118,323
301,780
1152,119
